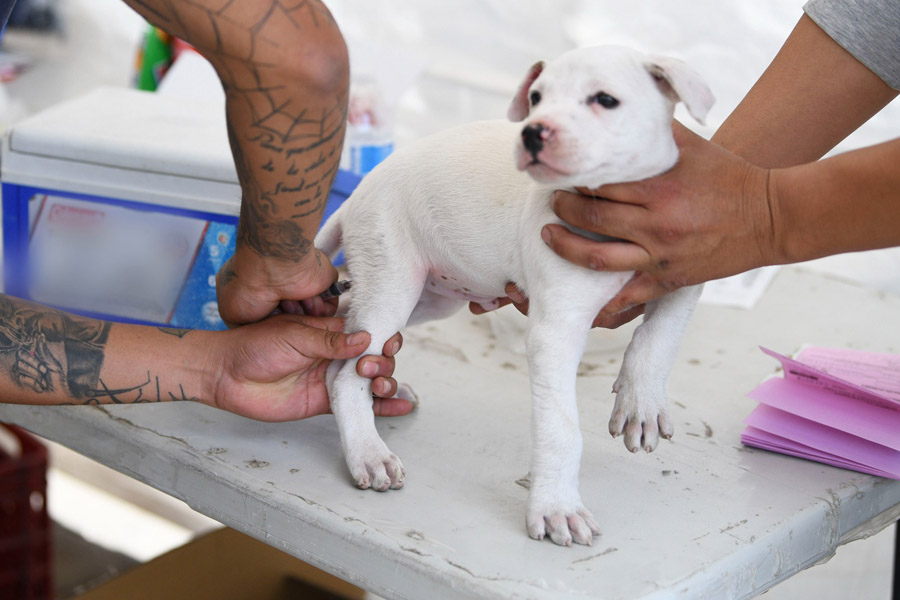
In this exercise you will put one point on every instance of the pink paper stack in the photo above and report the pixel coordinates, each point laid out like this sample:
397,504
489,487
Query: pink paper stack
834,406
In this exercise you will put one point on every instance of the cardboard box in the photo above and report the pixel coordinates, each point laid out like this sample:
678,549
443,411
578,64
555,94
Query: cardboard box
225,565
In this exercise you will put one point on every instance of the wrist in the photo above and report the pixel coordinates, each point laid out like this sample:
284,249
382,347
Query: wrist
775,251
267,273
252,265
763,213
199,358
788,245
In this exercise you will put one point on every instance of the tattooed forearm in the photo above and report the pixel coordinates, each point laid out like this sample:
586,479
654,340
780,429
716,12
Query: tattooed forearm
260,226
45,350
144,392
50,353
129,395
283,67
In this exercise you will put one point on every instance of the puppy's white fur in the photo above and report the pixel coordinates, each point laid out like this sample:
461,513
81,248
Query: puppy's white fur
450,219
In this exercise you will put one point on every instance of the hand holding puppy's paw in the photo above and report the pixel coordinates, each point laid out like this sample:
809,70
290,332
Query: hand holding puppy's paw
641,416
562,522
373,466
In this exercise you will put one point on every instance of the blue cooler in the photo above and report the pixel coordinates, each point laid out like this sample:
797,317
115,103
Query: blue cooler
123,205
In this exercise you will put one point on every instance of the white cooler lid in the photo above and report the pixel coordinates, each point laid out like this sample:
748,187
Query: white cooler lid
132,129
127,144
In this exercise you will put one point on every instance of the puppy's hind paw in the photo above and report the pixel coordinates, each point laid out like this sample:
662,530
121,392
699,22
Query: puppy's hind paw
563,526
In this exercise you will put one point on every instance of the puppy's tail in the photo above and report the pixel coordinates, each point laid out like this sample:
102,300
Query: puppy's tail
328,240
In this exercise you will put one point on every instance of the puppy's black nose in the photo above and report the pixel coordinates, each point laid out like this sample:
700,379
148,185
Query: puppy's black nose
532,139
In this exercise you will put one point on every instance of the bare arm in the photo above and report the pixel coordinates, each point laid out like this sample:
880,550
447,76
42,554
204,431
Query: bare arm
284,69
272,371
812,96
845,203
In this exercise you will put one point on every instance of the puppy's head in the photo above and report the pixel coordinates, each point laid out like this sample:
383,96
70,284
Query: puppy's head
603,114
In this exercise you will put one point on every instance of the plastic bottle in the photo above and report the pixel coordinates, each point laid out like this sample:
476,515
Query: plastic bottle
369,138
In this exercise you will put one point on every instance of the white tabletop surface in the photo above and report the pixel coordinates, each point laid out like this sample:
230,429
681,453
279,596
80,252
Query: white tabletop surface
702,517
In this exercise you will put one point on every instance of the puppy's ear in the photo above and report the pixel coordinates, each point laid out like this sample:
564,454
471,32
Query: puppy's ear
518,109
679,81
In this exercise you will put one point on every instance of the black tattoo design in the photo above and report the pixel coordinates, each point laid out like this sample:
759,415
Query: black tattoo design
177,332
227,274
135,394
182,397
44,350
118,396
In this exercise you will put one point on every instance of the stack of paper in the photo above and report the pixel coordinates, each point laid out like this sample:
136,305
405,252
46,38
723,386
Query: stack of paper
838,407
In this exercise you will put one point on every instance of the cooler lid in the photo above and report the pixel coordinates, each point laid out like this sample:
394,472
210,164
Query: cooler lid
134,130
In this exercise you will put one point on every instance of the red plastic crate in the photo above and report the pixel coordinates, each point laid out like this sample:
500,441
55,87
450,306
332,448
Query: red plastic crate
25,561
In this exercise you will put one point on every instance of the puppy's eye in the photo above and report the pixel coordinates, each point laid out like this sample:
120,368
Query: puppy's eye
604,100
535,97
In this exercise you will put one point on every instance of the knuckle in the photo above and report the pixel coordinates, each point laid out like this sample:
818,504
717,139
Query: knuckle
673,282
669,232
333,339
596,261
622,302
591,214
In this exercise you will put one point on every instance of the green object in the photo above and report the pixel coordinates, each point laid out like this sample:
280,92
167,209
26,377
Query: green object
154,59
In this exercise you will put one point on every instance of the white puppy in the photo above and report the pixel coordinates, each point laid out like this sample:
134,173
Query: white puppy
449,220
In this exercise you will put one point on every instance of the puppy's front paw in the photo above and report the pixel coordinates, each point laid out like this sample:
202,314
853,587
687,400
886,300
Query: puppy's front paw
563,522
373,466
641,415
407,393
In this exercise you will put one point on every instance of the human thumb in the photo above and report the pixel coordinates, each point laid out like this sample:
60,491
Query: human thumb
333,345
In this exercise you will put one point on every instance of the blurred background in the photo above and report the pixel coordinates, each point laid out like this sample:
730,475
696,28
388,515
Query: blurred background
435,64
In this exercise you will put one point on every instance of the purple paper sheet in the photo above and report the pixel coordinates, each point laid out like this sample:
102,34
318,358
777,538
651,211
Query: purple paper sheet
773,443
840,409
824,443
879,425
873,384
875,372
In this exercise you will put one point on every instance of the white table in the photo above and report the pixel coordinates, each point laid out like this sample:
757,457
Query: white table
702,517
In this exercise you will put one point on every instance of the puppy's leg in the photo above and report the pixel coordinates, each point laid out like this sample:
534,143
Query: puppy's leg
432,307
382,308
640,410
556,336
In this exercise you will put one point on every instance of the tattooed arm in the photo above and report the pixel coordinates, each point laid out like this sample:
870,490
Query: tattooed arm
272,371
284,68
